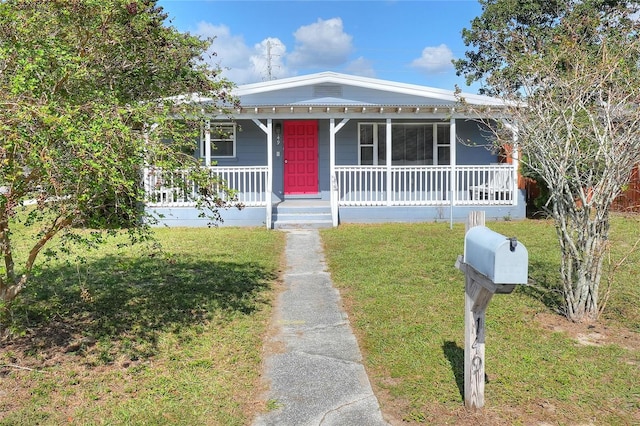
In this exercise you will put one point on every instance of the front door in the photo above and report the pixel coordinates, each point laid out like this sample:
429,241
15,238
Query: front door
300,157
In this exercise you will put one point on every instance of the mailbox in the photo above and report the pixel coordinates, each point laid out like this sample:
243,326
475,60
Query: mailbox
503,260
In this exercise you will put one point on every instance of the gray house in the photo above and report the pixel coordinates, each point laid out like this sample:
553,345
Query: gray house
328,148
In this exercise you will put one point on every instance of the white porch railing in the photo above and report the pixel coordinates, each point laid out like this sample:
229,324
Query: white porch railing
425,185
175,189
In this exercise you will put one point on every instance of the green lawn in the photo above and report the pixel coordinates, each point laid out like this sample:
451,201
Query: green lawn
142,336
405,300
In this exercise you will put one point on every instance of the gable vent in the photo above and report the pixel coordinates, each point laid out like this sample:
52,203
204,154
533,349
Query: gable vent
327,91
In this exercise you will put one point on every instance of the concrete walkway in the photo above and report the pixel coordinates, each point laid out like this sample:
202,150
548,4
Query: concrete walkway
318,377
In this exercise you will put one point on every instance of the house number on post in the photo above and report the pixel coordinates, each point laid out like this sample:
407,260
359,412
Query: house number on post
492,264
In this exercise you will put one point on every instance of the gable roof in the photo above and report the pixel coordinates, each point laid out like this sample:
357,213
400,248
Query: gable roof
386,91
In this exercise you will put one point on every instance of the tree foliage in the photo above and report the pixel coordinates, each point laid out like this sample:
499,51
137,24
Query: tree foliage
569,72
90,91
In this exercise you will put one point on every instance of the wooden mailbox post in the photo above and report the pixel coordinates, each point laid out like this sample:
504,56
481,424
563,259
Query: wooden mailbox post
492,264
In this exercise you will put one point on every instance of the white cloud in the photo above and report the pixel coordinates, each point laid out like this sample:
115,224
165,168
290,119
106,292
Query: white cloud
362,67
434,59
239,62
230,50
321,44
267,62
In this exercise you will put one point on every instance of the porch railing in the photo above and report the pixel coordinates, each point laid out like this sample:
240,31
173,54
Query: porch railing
175,189
425,185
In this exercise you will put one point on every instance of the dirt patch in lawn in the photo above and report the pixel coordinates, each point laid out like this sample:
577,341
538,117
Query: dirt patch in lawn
535,412
586,334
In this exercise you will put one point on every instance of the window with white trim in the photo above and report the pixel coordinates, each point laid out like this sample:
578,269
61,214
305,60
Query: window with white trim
223,140
372,144
412,143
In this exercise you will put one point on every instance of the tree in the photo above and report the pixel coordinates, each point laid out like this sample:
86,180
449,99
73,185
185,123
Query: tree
90,92
568,72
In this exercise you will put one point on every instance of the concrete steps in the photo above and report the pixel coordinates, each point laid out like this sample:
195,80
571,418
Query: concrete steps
302,214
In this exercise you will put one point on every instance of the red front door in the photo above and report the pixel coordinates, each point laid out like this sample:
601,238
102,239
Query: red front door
300,157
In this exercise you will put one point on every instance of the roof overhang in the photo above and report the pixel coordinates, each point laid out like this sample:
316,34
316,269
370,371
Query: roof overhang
261,100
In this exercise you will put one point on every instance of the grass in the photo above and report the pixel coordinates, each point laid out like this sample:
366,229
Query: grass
406,301
142,336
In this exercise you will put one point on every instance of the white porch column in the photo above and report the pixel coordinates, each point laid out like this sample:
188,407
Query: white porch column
207,143
333,184
268,129
389,160
515,154
333,129
453,194
269,188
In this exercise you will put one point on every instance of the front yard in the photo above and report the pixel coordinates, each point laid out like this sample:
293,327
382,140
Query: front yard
406,301
145,336
174,336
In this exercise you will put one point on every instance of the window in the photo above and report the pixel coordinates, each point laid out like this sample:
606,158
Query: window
412,143
372,146
443,143
223,140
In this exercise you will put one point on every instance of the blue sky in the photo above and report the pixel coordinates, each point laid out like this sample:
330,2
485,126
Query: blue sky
409,41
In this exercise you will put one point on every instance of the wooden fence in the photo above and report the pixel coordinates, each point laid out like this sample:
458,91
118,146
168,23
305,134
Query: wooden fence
629,200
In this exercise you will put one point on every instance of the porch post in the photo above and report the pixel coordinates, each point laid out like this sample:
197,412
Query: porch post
515,153
333,129
453,194
333,185
207,143
269,188
389,161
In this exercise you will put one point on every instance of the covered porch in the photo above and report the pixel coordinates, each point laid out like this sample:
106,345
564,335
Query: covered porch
371,150
439,190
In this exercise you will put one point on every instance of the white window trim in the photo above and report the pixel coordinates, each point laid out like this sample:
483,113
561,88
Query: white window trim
232,137
436,143
375,141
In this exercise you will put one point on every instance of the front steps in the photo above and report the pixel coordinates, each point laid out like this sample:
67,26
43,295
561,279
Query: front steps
301,214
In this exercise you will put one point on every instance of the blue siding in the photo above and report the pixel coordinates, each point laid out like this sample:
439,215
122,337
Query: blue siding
252,151
384,214
251,146
256,216
473,148
324,171
278,165
190,216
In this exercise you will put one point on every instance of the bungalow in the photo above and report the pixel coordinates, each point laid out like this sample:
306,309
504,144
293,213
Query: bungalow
329,148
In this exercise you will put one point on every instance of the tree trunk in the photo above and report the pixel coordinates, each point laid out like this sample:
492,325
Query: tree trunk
583,243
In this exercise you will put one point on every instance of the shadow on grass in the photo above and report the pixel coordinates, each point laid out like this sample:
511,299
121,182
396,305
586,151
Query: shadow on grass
126,301
544,285
455,355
